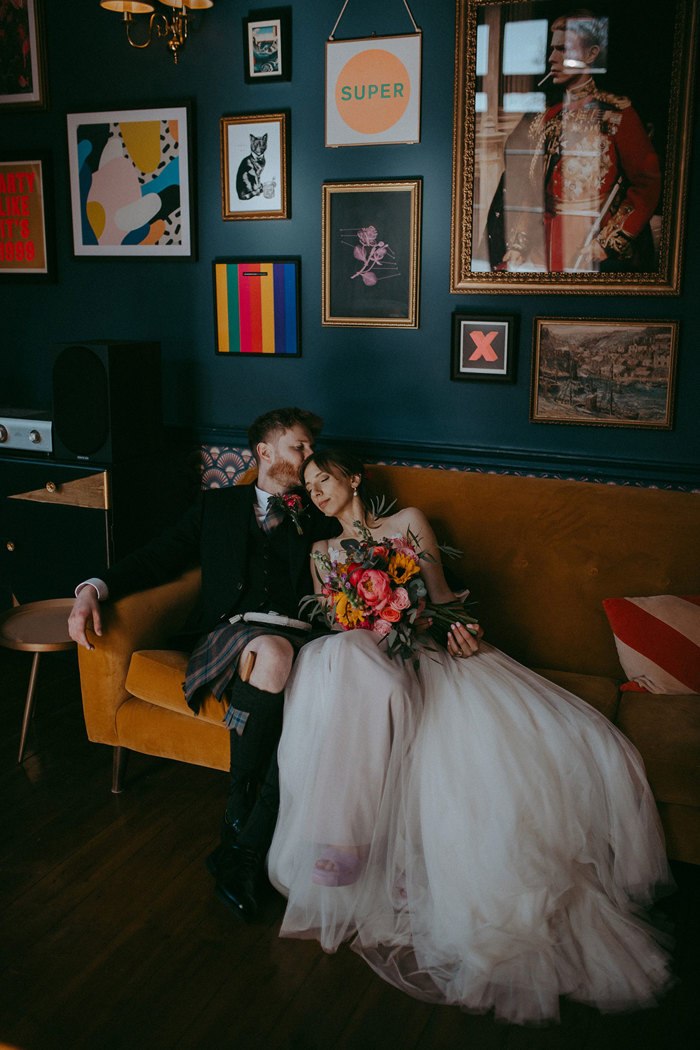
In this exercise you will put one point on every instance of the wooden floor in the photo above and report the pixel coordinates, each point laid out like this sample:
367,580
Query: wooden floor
111,937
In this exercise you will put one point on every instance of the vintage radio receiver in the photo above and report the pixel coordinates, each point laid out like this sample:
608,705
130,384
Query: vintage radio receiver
25,430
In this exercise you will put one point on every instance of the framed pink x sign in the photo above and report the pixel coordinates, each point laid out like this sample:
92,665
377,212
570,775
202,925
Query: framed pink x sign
484,347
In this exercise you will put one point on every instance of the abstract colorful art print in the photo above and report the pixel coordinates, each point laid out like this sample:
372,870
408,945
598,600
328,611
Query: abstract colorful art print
257,307
130,183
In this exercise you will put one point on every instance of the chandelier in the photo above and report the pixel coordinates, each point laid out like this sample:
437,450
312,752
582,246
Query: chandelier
172,27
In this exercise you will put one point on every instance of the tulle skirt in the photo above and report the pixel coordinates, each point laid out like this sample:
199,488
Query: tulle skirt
508,838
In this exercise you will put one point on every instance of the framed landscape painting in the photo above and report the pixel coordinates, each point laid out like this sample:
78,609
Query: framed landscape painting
617,373
572,135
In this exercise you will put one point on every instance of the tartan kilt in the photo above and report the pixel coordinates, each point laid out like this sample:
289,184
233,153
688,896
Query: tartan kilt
214,660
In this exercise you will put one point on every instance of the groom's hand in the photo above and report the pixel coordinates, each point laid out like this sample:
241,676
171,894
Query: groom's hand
86,609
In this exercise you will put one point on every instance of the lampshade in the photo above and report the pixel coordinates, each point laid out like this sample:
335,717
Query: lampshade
132,7
193,4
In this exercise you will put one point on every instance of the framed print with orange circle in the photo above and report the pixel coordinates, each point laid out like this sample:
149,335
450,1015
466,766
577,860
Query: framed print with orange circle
373,90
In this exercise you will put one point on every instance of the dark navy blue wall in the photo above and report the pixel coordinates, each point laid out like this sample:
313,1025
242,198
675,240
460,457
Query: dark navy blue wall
390,387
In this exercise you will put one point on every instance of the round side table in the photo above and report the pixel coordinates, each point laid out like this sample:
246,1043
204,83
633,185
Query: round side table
37,627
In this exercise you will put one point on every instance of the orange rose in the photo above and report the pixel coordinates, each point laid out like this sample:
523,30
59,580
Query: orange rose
390,614
380,552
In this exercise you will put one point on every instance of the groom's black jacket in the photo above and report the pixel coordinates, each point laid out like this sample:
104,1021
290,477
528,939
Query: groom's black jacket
215,533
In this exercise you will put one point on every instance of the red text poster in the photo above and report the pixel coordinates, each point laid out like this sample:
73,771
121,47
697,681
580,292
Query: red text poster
22,218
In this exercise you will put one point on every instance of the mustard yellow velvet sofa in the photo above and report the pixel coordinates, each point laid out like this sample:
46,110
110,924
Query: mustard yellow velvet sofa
540,555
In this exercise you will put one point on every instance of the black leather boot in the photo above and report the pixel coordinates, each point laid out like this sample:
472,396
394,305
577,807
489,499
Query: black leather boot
229,838
237,863
237,880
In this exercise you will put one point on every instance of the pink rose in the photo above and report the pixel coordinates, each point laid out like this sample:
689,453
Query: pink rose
408,552
374,586
367,235
400,599
382,628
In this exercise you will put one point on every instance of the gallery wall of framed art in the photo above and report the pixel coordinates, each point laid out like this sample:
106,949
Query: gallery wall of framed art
428,256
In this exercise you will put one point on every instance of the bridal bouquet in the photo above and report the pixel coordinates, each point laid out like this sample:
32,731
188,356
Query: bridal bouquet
376,586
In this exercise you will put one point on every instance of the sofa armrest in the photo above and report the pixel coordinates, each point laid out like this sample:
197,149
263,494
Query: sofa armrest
145,620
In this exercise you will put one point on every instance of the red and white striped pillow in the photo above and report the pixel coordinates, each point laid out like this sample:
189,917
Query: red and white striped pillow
658,641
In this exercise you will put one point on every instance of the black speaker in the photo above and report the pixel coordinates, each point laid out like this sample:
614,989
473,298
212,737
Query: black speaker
107,400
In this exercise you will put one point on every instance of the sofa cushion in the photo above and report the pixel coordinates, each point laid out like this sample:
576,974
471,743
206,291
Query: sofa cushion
666,730
601,693
658,641
156,675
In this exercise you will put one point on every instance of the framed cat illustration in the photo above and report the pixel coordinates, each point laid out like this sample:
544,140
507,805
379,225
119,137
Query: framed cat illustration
255,167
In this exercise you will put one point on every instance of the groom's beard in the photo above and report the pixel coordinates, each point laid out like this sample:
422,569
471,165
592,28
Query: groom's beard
285,473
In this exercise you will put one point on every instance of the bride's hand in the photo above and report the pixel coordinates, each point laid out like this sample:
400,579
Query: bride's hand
461,642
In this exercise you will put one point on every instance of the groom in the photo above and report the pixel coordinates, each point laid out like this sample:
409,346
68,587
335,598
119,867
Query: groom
253,560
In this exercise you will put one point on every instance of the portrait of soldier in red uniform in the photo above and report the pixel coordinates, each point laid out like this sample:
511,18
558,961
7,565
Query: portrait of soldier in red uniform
581,178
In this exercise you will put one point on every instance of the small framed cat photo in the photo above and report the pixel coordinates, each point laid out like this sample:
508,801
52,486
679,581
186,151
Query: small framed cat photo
255,166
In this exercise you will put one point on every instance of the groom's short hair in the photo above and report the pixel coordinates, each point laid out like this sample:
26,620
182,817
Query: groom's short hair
280,419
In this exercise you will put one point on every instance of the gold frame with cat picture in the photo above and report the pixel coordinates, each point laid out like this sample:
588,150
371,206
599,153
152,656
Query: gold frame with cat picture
255,166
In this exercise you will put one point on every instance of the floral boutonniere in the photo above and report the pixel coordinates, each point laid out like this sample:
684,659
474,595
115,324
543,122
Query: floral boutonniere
290,505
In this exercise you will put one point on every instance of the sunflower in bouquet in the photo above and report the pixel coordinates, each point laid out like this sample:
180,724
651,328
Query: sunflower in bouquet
376,585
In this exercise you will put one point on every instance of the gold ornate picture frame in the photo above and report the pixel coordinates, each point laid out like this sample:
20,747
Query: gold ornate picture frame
570,179
255,181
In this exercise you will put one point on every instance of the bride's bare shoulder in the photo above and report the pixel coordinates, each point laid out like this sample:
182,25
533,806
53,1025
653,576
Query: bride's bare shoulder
408,518
320,547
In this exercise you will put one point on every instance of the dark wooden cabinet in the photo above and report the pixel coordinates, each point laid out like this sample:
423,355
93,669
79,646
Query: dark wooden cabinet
62,522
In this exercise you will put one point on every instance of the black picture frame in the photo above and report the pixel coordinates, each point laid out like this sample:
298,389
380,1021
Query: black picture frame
484,347
267,65
257,307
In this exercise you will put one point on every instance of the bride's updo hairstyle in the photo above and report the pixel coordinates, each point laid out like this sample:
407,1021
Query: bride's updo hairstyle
341,464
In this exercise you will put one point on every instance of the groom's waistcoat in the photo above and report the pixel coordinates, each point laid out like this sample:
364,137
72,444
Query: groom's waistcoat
268,584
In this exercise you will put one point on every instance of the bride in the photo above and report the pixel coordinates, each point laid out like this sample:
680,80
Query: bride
480,835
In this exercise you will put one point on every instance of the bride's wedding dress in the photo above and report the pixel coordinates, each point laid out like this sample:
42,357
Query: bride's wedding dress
506,838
